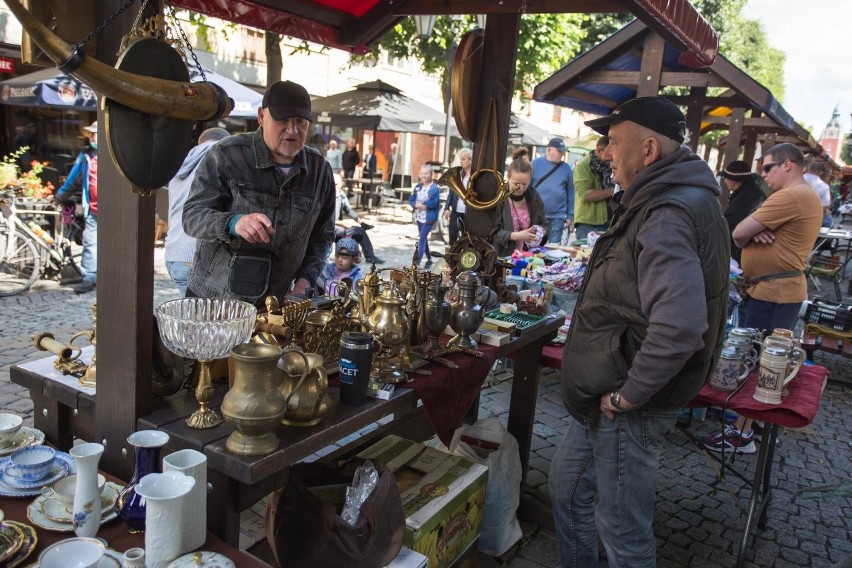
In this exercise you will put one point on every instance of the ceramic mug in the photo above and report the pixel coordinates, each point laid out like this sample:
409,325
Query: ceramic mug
776,372
731,370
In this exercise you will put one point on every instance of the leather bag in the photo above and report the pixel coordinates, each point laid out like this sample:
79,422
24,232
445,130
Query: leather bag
304,531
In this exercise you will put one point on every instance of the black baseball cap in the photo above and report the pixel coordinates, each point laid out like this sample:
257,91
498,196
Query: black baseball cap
285,99
656,113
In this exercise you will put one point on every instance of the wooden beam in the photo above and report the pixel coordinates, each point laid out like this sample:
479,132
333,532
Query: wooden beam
732,150
705,101
667,78
694,114
651,67
125,291
416,7
500,51
591,97
759,122
371,25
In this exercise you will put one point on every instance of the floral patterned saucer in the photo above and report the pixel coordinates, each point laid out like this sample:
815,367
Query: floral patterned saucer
53,515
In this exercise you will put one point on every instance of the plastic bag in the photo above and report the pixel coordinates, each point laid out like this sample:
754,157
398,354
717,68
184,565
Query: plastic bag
489,443
365,480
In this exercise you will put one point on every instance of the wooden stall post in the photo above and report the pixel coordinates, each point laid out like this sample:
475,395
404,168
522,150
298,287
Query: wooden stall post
125,283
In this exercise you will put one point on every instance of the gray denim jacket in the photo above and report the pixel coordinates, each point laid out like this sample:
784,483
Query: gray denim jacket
238,175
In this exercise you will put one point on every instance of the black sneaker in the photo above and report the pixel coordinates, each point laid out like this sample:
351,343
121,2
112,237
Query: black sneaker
366,226
428,265
84,287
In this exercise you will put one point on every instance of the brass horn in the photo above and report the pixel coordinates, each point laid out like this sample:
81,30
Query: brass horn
150,95
452,179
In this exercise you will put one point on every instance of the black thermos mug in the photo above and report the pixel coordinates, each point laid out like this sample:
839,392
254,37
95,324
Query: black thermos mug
356,358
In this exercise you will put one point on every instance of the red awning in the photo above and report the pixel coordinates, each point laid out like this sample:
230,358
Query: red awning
353,24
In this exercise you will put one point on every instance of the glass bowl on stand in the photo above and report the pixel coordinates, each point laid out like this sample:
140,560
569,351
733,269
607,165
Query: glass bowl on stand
205,329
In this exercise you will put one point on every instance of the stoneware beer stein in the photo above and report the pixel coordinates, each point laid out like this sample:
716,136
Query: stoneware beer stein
731,370
744,346
775,372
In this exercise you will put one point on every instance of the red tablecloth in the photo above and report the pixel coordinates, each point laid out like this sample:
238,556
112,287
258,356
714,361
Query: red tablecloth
551,356
797,409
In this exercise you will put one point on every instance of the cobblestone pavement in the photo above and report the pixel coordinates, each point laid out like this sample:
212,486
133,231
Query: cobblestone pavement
698,522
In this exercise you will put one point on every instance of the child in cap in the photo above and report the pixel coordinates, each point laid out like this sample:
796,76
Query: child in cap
344,266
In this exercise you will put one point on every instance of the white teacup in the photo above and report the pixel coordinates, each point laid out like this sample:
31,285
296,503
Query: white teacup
72,553
10,424
63,490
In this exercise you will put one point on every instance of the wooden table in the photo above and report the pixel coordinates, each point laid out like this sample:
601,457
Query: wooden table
797,409
238,482
116,534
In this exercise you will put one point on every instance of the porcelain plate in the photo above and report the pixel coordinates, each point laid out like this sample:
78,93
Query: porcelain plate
8,491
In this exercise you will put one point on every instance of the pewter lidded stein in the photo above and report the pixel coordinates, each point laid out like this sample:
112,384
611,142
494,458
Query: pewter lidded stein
466,314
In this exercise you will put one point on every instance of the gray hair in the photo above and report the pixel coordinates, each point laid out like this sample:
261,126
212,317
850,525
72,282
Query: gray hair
465,153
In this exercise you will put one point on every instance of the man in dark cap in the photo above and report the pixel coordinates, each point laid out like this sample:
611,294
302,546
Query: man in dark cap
644,337
261,206
553,179
746,195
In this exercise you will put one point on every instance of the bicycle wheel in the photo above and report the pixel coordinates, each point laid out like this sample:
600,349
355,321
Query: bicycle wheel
19,264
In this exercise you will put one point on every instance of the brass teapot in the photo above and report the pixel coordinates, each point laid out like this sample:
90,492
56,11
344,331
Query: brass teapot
389,325
305,388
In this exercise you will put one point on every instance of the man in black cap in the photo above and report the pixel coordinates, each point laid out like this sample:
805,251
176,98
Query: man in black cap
746,195
261,206
644,337
553,179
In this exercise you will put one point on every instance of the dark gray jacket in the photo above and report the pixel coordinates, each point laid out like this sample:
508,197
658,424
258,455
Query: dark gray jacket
238,175
651,313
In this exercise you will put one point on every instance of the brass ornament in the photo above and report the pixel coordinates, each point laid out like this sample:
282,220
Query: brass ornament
67,356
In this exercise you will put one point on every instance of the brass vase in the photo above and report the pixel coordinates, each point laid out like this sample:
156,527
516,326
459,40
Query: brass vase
304,388
254,405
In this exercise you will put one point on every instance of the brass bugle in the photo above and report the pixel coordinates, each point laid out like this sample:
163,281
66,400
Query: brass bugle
46,342
151,95
452,178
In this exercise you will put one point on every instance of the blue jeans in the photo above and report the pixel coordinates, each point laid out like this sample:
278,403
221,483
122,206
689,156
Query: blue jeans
555,228
618,461
89,257
583,230
764,315
423,243
179,271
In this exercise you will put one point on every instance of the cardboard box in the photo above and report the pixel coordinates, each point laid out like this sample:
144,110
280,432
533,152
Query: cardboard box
442,496
497,338
408,558
382,391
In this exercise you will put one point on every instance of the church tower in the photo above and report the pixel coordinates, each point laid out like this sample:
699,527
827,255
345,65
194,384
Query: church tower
832,139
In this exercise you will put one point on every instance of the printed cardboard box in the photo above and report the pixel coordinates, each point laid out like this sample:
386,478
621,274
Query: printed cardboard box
442,496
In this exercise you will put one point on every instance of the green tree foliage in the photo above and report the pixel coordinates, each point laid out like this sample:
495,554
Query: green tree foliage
546,42
846,152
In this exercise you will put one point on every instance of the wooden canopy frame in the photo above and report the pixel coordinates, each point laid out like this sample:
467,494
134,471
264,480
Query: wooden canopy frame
636,62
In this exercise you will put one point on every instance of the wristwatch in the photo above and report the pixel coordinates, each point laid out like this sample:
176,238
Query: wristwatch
615,399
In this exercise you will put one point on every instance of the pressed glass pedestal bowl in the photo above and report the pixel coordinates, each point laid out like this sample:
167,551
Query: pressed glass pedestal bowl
205,329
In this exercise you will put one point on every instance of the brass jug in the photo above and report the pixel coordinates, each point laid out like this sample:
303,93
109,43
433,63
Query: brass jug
365,291
389,325
305,388
254,404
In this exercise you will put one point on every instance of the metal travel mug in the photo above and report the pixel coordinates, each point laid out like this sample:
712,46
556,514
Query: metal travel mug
356,357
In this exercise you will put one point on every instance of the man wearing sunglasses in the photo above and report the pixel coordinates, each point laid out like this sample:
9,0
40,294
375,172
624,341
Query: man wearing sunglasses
776,239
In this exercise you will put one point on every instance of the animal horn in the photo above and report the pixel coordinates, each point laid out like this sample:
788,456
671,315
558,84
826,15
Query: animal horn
452,179
151,95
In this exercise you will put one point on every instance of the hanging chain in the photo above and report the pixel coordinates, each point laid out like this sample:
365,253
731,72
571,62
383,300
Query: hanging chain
139,15
105,23
185,40
490,120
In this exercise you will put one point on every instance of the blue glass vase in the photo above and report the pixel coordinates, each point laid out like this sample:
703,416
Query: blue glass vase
131,506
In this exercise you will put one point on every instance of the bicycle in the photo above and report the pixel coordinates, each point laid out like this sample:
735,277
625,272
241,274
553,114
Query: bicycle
27,254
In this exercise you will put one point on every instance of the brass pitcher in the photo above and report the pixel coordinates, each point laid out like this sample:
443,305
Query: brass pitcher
254,404
305,388
366,290
389,325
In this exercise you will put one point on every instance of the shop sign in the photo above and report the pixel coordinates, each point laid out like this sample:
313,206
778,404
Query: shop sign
7,65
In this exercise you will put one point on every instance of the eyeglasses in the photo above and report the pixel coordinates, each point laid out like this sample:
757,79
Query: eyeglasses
768,167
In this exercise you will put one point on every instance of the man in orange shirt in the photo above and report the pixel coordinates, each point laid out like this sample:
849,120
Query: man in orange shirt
775,241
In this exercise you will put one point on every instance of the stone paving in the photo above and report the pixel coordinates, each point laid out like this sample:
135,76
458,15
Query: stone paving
697,521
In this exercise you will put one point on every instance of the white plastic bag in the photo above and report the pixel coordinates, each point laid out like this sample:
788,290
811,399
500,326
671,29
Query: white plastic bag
489,443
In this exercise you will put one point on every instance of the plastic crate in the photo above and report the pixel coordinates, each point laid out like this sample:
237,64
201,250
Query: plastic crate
834,316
